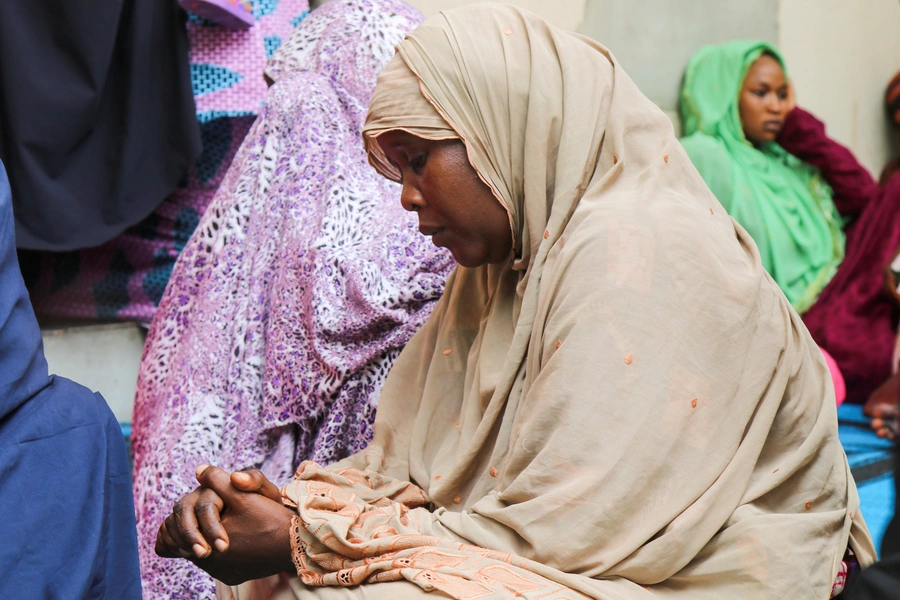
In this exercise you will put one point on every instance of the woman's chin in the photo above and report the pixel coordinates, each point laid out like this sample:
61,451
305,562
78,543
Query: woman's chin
763,137
466,261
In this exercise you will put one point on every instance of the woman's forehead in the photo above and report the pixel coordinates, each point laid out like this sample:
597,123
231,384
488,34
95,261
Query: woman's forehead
766,69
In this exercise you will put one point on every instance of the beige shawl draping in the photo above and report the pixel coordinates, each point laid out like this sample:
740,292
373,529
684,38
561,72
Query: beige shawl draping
630,408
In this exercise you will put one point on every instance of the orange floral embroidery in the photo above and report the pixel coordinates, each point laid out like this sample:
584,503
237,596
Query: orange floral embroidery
494,471
808,505
694,403
448,351
457,500
507,31
437,477
547,234
710,211
666,157
628,359
615,159
558,344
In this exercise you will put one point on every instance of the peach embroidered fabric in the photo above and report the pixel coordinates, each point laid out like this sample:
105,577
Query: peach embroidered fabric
708,466
354,528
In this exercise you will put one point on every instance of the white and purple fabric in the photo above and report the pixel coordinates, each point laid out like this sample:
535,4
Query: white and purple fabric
287,307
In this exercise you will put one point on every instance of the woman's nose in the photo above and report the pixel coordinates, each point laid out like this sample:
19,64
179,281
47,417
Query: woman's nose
410,198
774,104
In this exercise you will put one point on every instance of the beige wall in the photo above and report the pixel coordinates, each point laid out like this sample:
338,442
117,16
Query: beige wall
562,13
841,55
654,39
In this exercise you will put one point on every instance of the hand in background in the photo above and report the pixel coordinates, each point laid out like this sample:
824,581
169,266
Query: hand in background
791,97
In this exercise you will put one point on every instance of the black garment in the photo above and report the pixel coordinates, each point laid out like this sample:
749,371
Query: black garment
881,581
97,117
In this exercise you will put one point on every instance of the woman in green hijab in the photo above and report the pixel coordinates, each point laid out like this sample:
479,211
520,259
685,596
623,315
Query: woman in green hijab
825,230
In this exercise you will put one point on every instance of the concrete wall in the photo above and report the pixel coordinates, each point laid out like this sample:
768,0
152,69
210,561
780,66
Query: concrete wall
104,358
653,39
841,55
567,14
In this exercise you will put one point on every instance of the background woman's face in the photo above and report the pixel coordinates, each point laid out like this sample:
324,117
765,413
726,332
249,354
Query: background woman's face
455,207
763,101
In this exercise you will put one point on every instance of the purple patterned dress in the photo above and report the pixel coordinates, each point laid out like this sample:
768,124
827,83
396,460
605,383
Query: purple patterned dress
289,304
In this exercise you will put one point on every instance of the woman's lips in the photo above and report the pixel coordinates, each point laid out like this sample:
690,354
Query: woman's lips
433,232
774,126
436,238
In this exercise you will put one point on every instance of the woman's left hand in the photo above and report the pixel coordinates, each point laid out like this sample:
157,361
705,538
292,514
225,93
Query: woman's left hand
257,528
791,97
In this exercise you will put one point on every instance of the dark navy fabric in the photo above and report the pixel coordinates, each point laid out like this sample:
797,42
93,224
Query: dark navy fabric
66,512
97,116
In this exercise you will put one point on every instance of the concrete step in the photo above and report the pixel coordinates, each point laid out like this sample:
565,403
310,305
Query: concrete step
104,358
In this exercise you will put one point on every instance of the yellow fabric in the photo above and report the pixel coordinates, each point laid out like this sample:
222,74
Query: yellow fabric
630,408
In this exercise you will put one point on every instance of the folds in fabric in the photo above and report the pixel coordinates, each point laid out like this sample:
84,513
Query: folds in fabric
631,401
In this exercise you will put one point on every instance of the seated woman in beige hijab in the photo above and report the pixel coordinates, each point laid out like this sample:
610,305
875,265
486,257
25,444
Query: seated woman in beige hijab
612,399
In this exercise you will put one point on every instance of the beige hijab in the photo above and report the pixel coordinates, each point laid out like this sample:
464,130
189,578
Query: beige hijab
630,408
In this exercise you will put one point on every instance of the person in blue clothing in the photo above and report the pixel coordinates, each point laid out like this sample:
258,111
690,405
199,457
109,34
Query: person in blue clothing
67,525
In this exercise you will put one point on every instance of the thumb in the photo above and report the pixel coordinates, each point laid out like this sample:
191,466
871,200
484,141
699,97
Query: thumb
253,480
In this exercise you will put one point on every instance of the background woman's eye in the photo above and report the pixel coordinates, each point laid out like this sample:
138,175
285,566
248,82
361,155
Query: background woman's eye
760,93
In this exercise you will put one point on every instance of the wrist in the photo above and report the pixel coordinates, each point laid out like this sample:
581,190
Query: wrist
286,545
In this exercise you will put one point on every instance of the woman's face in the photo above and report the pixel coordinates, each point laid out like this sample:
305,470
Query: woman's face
763,101
455,207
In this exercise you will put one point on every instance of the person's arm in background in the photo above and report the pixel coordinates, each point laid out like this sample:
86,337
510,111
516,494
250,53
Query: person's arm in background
803,135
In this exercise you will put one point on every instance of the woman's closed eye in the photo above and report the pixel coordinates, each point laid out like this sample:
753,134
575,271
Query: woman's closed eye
417,162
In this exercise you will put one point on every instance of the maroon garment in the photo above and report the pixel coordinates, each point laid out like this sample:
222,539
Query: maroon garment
853,319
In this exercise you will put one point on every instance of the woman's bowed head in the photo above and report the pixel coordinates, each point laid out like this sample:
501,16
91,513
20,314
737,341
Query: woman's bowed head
454,206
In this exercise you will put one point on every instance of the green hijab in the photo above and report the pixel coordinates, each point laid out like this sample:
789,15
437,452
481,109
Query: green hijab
781,201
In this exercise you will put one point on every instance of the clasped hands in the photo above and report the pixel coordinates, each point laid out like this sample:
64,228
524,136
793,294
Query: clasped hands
234,527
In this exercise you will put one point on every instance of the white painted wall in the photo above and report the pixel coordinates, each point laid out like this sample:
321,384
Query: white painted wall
103,358
841,55
654,39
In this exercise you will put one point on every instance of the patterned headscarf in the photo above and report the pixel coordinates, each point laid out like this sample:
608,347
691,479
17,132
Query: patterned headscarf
289,304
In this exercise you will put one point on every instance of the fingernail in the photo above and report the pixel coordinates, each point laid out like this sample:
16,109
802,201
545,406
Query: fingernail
221,545
242,477
200,469
200,551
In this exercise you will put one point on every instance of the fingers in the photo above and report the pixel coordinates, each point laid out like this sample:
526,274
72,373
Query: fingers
217,480
885,428
208,511
165,545
253,480
182,525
